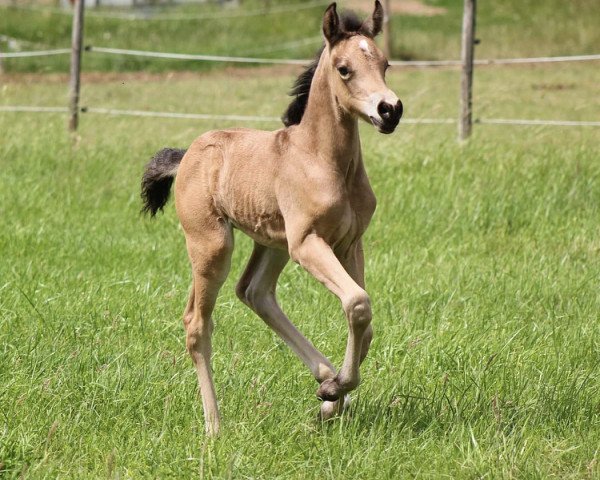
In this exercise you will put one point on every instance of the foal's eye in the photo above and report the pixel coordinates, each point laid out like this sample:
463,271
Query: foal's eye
344,72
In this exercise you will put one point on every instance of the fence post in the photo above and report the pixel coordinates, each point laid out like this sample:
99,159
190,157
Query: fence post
387,37
76,41
1,64
466,83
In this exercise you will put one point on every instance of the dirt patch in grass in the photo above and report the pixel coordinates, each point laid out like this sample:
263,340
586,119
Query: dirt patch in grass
104,77
405,7
553,86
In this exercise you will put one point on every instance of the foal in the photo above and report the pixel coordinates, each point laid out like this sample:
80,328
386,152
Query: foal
299,192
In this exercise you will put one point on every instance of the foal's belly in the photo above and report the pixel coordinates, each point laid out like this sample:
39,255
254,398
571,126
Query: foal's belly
268,228
256,213
252,207
265,228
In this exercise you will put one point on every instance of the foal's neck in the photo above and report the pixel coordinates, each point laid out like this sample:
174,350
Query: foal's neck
330,131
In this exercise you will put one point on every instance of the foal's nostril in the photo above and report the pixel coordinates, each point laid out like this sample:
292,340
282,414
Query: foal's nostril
385,110
399,109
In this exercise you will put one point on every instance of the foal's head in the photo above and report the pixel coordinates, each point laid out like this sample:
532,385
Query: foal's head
357,69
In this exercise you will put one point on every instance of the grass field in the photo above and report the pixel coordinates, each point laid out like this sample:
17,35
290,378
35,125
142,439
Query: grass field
483,264
482,261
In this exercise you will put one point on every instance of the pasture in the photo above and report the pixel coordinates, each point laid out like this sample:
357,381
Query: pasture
482,261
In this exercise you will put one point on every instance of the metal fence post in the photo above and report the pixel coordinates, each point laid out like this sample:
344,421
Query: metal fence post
466,83
74,85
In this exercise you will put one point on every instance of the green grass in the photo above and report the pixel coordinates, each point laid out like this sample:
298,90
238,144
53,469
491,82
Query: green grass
510,28
483,263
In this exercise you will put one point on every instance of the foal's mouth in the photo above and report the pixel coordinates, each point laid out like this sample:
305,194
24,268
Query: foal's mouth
383,127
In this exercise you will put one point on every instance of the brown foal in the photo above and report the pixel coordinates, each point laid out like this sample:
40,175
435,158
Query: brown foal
299,192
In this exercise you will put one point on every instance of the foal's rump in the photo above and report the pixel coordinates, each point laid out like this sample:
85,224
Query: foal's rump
161,170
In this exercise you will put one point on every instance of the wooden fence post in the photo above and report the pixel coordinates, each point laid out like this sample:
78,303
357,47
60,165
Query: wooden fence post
1,64
387,36
76,41
466,83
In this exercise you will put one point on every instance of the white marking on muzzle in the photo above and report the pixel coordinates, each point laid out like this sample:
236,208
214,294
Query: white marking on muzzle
372,104
375,99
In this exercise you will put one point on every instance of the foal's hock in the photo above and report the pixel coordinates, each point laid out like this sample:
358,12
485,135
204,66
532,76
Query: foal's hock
300,192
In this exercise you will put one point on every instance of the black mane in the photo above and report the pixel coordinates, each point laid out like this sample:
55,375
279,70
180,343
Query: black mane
350,25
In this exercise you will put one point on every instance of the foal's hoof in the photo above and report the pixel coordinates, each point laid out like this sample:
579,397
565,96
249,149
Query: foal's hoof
333,409
329,390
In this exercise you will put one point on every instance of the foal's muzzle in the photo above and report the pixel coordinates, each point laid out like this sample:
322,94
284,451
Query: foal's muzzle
390,116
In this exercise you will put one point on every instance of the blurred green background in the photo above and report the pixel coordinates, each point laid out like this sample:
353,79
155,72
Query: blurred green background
430,30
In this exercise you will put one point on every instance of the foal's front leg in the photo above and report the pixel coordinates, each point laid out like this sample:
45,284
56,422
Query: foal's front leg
354,263
317,257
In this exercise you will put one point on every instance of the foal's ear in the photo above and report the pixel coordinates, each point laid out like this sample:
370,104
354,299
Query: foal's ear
372,26
331,24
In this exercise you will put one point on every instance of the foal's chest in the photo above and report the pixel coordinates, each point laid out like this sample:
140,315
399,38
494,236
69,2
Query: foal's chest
340,215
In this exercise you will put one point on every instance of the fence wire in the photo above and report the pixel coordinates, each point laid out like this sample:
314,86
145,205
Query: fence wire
280,61
272,119
296,61
36,53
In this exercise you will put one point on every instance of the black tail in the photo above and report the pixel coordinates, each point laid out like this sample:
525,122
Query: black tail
158,178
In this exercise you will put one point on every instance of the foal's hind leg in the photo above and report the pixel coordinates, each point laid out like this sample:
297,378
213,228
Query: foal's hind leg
209,248
256,289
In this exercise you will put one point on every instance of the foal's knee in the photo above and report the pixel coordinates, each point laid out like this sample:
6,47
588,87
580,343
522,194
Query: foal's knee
198,334
358,311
